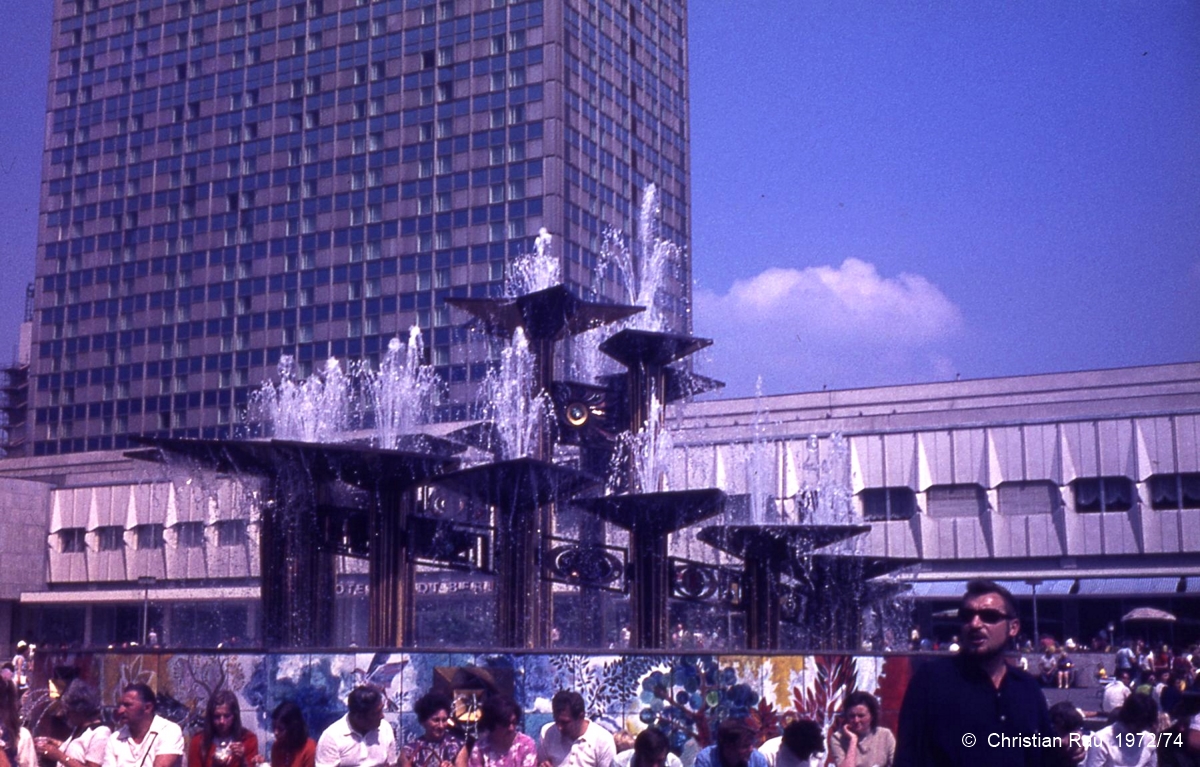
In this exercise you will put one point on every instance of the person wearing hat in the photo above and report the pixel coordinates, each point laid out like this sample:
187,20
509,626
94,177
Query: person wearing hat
21,665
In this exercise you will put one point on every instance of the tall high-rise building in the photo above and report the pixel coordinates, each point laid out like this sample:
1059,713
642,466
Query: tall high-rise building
229,181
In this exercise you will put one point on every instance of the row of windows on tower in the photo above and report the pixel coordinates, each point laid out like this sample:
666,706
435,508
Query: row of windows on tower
308,41
430,13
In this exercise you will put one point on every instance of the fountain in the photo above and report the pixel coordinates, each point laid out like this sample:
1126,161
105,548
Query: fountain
359,429
403,393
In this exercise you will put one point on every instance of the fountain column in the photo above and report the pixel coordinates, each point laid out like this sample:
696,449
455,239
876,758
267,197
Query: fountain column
651,516
770,552
391,571
297,573
519,490
762,605
524,514
297,545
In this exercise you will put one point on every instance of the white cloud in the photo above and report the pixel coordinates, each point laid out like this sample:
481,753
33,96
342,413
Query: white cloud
847,326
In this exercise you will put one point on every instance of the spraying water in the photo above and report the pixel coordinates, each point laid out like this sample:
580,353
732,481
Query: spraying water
646,455
825,496
326,406
403,393
518,413
760,466
316,409
643,266
534,271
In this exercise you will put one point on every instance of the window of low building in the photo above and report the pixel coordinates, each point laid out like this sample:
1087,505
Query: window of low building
72,540
1029,497
1101,494
881,504
149,536
111,537
190,535
1174,491
231,532
967,500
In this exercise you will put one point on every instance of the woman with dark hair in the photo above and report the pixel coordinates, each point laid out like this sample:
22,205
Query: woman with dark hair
292,746
502,743
861,742
650,749
89,735
223,742
15,741
1130,741
438,746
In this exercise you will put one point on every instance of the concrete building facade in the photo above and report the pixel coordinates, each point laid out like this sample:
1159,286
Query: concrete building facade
229,181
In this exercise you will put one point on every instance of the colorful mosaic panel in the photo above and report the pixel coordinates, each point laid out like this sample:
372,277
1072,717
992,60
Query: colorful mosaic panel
684,695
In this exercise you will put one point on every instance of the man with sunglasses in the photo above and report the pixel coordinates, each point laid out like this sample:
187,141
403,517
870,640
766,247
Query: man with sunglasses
973,708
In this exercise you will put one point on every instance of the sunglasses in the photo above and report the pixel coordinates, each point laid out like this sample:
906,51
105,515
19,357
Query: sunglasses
987,616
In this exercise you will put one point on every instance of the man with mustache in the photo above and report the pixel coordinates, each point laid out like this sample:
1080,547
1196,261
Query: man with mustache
974,709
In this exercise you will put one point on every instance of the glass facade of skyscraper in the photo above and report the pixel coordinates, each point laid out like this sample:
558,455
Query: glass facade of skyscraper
228,181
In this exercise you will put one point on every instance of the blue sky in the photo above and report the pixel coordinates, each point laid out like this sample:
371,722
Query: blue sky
884,192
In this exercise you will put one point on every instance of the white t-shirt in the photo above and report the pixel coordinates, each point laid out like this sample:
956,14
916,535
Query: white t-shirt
625,759
87,745
163,738
594,748
779,756
1113,747
342,746
1114,696
26,752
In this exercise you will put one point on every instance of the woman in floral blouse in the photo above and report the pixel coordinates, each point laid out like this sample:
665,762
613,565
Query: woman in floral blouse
438,747
502,743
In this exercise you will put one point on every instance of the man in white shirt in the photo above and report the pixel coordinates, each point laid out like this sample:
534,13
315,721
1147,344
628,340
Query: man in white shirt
145,739
800,745
571,740
361,738
1116,692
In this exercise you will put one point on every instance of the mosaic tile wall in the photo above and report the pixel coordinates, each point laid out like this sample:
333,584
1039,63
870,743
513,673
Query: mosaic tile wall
684,695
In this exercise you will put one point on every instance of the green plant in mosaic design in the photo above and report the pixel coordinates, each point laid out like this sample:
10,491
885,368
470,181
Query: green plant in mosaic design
689,701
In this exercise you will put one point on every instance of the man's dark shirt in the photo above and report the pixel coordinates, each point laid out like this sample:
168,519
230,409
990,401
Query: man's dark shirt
950,697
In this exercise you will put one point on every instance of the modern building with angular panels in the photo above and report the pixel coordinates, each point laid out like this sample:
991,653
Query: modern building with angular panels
229,181
1081,491
1065,485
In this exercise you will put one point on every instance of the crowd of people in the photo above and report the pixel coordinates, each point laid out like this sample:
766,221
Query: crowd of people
975,708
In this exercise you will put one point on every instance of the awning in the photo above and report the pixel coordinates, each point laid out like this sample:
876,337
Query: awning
939,589
1148,614
212,594
1103,587
1047,588
955,589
